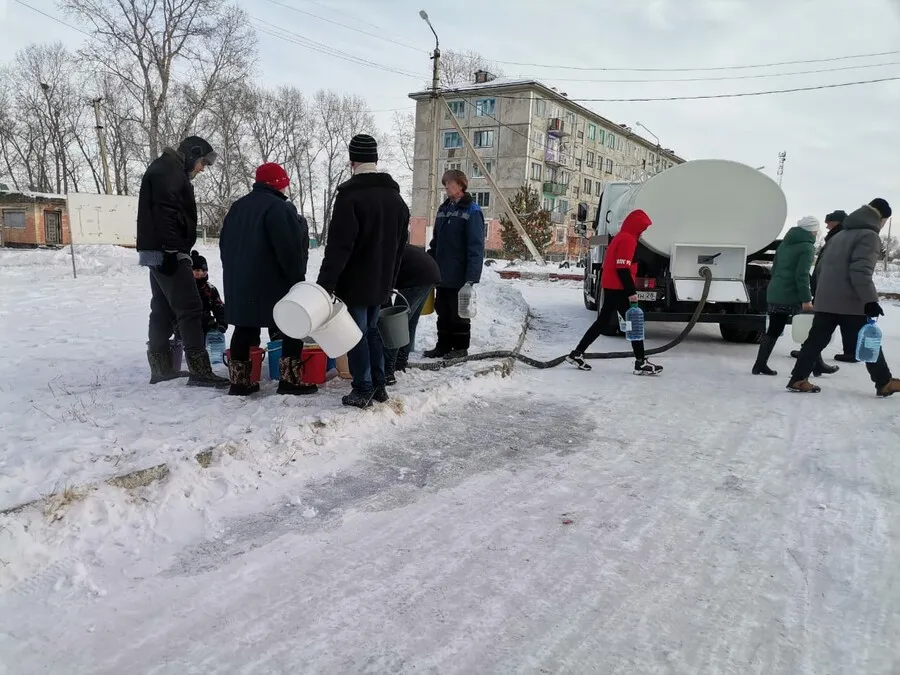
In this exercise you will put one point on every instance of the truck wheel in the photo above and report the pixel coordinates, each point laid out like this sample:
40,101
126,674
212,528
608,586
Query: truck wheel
754,337
734,334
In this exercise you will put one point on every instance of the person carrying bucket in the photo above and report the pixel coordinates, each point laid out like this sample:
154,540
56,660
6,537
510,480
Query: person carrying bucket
419,273
265,249
789,291
368,232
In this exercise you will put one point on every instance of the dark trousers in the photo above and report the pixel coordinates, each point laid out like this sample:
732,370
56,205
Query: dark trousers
820,335
416,298
175,300
614,302
454,332
245,337
366,359
848,339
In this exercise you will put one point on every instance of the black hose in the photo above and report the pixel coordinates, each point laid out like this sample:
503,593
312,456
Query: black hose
705,272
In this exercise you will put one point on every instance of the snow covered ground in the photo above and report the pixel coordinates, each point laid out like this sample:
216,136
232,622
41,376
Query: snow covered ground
75,406
706,521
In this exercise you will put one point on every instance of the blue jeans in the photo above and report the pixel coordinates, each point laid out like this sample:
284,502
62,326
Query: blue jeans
366,359
416,298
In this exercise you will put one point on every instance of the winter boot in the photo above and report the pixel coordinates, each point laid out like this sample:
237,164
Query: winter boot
456,354
356,399
846,358
291,378
761,367
438,352
202,374
381,395
390,379
891,388
578,361
239,375
821,368
645,367
161,367
803,387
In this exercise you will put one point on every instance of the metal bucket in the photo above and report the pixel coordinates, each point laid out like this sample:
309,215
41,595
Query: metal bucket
393,324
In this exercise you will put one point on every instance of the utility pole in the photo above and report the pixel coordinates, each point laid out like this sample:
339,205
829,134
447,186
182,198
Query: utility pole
101,137
658,146
435,123
513,216
782,156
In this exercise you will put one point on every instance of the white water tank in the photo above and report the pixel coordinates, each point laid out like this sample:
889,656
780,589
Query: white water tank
706,201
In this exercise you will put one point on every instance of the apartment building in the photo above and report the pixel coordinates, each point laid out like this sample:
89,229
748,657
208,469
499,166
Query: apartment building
527,132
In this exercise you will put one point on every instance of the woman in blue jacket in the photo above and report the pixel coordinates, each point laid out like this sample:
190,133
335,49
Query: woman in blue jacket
458,247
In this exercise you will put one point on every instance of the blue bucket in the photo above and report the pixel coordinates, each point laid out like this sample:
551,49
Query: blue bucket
274,350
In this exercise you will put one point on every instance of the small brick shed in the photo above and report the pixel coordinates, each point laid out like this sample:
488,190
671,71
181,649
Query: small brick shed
33,219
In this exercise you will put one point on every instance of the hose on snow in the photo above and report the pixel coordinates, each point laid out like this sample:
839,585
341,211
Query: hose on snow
705,272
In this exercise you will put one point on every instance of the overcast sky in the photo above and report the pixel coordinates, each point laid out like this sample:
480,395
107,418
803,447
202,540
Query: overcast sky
842,144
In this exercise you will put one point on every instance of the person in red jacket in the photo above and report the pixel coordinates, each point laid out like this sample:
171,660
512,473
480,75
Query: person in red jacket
617,280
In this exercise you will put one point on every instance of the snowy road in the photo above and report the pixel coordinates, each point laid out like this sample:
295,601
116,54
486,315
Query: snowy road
562,522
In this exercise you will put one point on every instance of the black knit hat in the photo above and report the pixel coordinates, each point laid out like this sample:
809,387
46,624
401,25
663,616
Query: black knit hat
881,206
194,148
836,216
363,149
198,262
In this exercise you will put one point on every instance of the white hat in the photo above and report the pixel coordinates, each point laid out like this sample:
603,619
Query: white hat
809,223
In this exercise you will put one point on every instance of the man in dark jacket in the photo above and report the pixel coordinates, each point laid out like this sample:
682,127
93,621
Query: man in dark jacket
419,273
368,231
166,233
846,295
265,249
458,247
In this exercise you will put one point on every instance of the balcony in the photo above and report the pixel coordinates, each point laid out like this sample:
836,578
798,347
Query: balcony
557,159
556,127
557,217
554,188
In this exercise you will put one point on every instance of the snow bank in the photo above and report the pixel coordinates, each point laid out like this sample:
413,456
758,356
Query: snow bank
76,408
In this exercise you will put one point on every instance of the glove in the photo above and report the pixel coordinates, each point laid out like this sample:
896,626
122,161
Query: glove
873,309
222,328
169,263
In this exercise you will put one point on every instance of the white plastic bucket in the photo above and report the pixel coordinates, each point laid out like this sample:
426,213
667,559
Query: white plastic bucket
305,308
339,334
800,325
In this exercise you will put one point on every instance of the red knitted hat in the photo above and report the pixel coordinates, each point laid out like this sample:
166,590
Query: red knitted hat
273,174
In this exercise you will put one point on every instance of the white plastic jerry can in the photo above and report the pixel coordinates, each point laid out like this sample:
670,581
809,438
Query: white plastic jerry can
800,325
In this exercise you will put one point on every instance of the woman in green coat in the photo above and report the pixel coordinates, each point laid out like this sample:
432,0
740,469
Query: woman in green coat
789,291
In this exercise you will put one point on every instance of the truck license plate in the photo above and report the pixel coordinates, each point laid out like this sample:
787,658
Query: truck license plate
647,296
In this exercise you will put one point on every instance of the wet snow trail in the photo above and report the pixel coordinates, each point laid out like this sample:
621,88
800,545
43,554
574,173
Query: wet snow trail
703,522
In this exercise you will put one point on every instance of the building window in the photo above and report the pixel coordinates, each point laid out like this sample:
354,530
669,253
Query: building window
476,171
485,107
452,139
458,108
578,164
587,186
560,236
540,107
580,135
602,137
537,171
592,132
563,206
487,230
484,138
570,119
611,141
589,158
609,166
452,166
14,219
483,199
549,203
598,188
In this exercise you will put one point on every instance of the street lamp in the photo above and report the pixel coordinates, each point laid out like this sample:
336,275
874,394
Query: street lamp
435,118
658,150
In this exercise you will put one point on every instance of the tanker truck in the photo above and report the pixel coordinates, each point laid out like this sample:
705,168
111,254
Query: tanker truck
711,213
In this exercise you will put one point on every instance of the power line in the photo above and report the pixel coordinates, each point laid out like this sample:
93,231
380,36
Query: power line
686,70
343,25
53,18
729,77
838,85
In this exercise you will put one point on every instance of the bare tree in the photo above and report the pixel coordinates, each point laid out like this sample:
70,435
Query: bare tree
403,129
170,57
459,67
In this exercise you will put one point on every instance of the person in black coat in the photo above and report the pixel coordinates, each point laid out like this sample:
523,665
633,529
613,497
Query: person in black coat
265,249
368,231
419,273
166,233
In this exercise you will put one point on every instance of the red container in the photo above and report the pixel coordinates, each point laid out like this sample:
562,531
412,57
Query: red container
256,359
315,363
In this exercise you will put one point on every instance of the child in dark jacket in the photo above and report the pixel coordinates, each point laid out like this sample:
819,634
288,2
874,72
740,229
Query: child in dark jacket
213,307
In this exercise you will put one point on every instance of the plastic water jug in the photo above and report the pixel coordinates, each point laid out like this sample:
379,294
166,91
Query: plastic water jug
634,324
466,305
868,342
215,346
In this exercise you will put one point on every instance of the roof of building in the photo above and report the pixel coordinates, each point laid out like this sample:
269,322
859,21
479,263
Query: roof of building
20,195
517,83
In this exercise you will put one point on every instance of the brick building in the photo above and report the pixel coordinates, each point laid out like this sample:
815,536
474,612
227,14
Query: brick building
33,219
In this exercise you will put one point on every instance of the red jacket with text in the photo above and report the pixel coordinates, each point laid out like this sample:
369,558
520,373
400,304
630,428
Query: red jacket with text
619,264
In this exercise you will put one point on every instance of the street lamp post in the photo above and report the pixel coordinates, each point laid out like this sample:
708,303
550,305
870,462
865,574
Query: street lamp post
658,147
435,122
